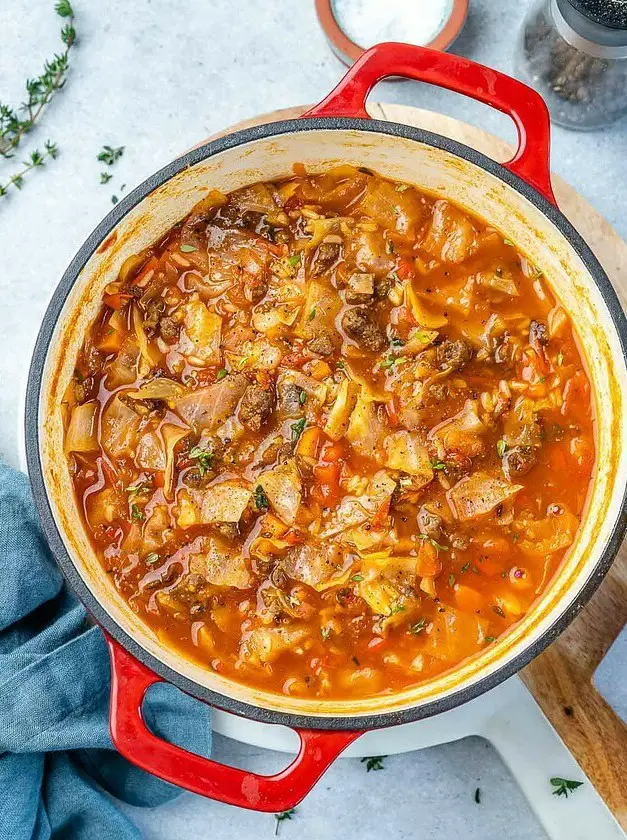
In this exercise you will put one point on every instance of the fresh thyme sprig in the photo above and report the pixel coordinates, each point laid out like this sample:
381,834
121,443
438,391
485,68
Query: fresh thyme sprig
16,122
36,159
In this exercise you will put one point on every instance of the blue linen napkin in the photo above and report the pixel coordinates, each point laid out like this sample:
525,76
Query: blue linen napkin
56,755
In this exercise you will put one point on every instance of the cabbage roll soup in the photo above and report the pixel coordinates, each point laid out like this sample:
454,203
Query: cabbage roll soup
330,436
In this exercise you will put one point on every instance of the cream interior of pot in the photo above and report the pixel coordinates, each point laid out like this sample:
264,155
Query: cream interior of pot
439,172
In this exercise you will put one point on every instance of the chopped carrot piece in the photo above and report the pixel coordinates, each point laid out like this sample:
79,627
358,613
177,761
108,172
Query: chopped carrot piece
428,563
309,443
146,273
111,342
497,548
320,370
468,599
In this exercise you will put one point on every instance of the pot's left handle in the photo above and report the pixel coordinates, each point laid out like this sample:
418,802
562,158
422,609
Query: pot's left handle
130,680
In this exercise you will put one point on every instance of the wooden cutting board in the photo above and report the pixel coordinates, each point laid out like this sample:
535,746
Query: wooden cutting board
561,677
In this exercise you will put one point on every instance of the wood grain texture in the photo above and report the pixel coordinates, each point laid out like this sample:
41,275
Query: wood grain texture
561,677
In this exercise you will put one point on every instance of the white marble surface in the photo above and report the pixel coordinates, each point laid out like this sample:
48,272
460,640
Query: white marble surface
157,77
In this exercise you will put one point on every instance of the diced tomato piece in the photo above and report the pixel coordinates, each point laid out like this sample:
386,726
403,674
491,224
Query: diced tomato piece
404,269
392,412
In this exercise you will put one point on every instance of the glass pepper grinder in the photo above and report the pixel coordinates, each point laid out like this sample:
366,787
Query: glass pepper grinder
574,52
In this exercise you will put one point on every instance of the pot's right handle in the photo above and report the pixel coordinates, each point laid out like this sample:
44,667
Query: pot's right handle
520,102
130,679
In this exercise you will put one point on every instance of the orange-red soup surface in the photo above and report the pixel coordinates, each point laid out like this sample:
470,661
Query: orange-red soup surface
330,436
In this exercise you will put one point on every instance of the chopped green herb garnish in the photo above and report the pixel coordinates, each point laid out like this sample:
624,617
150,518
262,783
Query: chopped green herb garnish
356,661
187,249
297,429
390,246
374,762
451,580
114,199
465,567
302,397
110,155
396,608
501,447
490,638
388,363
325,632
204,458
105,177
402,187
137,514
564,786
221,374
478,796
357,578
294,259
340,365
138,489
417,626
151,558
312,313
437,465
398,342
261,500
433,542
285,815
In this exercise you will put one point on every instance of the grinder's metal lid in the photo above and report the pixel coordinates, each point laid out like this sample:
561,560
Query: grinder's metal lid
352,26
610,13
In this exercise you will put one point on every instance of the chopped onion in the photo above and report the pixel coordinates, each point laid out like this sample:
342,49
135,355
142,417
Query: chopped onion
161,388
82,433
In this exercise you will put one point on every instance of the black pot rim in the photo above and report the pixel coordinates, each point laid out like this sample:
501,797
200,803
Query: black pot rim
35,379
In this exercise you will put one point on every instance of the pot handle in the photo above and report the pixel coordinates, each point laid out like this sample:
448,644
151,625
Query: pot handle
130,679
520,102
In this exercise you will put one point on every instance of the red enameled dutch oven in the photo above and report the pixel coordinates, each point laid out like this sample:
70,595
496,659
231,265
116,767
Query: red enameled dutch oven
516,199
